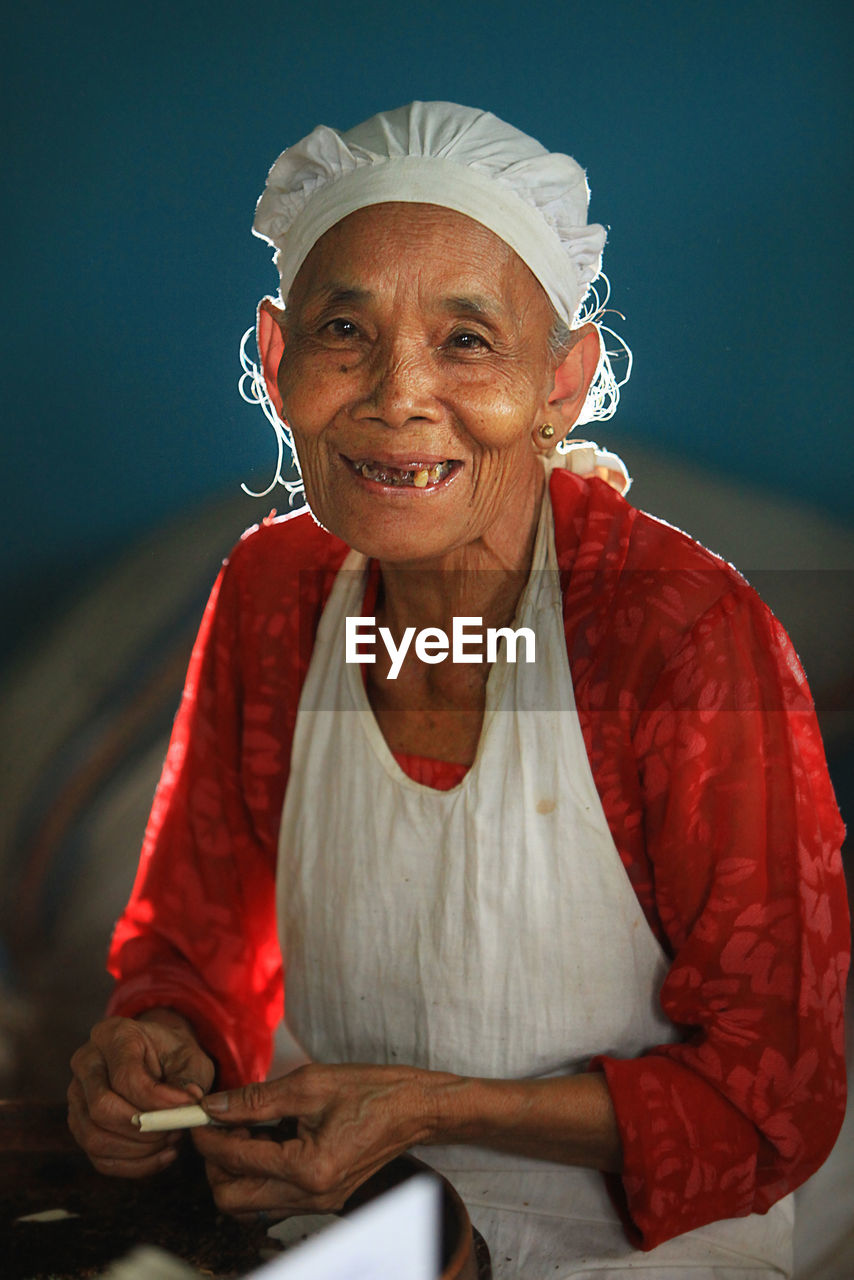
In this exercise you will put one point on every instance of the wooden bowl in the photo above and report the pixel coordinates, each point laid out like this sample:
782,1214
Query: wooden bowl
464,1254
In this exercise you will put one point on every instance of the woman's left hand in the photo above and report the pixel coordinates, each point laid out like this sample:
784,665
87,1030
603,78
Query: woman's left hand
350,1120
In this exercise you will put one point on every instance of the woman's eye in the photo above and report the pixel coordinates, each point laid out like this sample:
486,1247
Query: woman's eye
468,341
340,328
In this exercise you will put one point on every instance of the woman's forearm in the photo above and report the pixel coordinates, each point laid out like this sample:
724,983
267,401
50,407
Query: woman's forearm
569,1119
354,1118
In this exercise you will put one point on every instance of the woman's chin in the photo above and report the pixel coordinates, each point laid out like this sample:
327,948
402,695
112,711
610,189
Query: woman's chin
395,531
399,549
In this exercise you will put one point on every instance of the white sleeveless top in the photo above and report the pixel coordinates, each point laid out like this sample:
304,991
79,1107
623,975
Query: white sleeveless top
488,930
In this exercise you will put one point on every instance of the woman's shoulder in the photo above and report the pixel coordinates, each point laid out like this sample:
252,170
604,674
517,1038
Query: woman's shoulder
291,543
634,583
598,527
280,565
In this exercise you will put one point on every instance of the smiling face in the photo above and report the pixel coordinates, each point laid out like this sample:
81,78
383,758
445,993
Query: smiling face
414,376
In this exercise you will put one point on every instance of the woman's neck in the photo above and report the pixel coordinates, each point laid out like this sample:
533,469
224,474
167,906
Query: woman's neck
482,579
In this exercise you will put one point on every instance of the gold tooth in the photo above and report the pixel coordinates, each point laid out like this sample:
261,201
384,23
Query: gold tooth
422,475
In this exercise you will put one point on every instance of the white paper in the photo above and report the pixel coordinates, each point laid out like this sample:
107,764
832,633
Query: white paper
191,1117
395,1235
47,1215
293,1231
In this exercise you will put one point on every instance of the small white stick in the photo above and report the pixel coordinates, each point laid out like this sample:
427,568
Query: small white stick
172,1118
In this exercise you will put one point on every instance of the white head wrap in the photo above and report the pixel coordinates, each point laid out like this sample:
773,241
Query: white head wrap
439,153
462,159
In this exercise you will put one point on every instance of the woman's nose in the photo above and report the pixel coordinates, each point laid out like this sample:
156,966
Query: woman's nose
402,387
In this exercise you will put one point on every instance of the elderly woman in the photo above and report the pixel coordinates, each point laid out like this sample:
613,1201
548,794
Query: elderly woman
565,903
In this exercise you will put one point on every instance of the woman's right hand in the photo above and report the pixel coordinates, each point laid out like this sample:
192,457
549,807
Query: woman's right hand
130,1065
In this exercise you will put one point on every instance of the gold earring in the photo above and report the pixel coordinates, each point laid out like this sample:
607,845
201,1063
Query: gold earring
547,431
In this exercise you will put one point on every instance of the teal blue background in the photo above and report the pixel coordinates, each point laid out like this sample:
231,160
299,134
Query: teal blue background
717,139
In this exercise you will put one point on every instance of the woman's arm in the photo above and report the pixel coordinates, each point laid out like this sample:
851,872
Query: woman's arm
743,835
568,1119
199,934
351,1120
195,953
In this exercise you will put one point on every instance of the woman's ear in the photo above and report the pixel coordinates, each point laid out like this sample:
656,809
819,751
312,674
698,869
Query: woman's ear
270,332
575,374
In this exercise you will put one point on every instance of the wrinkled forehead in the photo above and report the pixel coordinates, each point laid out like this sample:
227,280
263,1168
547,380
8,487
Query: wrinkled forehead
462,191
445,255
464,158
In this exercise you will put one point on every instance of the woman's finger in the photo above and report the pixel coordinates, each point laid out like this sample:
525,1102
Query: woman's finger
103,1145
133,1054
142,1166
242,1156
192,1087
239,1165
253,1103
296,1176
246,1197
118,1156
95,1138
189,1068
91,1089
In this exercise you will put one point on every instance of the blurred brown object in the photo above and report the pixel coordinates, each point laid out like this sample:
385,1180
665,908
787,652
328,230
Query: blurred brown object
41,1169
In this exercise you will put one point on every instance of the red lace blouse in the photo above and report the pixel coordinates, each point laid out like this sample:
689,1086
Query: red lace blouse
707,758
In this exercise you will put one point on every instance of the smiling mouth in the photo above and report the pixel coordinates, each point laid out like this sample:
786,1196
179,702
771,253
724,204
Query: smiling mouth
417,476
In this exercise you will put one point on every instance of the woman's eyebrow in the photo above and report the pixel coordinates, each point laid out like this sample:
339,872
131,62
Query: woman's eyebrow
470,304
337,293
